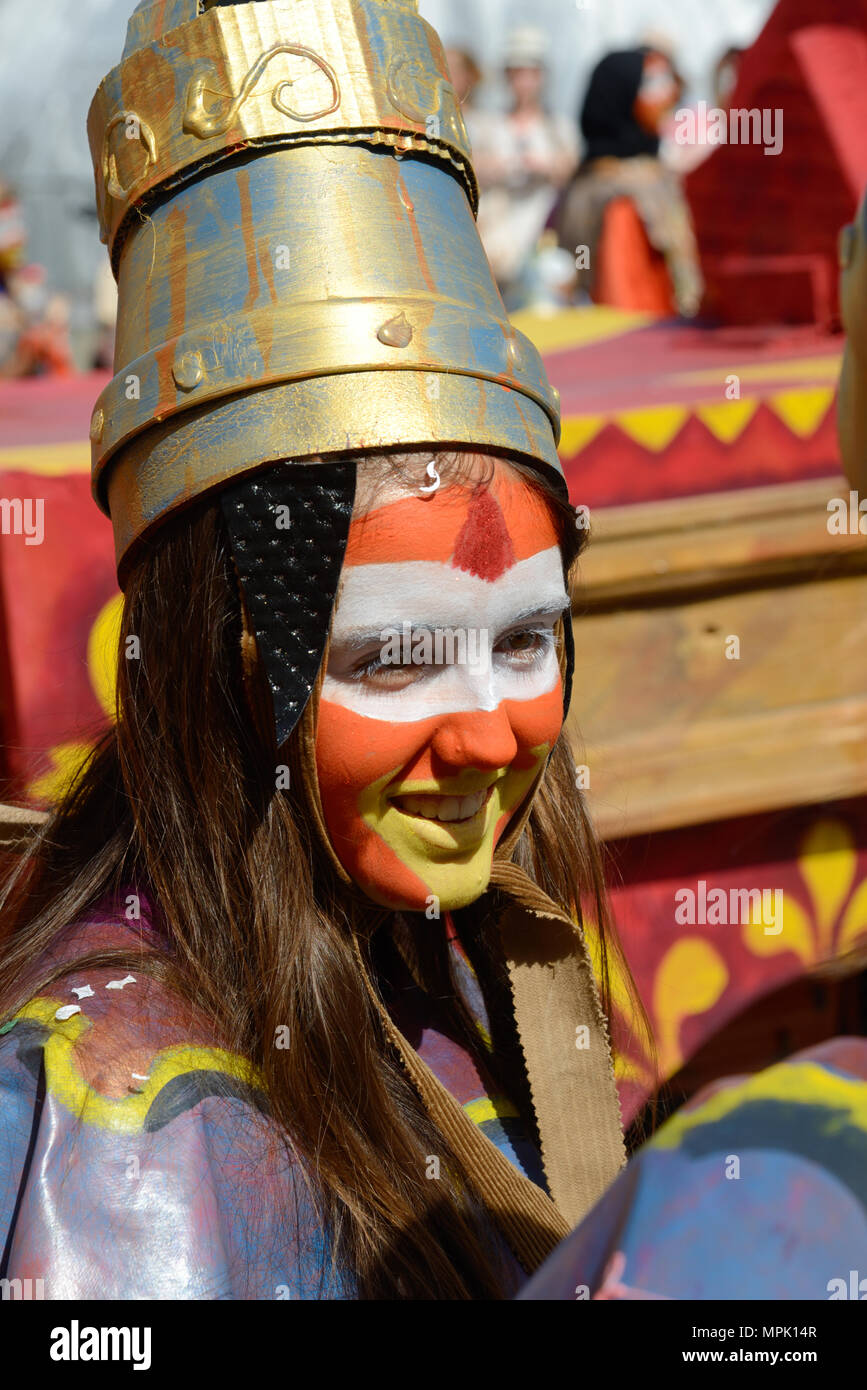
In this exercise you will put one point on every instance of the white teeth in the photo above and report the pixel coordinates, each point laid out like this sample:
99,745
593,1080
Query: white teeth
445,808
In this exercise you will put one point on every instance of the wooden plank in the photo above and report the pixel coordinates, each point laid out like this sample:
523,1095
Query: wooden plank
677,734
752,535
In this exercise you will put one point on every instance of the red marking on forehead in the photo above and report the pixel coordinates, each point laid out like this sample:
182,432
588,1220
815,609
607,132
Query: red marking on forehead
430,528
484,546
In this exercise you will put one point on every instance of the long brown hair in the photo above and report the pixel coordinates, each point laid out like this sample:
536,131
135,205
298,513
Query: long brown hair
178,800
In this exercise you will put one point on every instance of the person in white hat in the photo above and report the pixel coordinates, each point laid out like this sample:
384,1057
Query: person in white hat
523,157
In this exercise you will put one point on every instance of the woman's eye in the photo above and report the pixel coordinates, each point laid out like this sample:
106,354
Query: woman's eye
522,648
525,646
385,675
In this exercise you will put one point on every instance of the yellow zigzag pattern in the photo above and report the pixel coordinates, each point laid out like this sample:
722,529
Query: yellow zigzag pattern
654,427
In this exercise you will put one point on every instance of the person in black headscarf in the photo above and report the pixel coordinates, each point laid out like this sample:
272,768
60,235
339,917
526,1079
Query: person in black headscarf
610,124
624,216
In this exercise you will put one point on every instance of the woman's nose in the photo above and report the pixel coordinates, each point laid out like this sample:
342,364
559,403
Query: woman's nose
475,738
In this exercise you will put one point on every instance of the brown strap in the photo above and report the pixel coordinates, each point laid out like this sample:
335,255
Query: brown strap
564,1037
527,1217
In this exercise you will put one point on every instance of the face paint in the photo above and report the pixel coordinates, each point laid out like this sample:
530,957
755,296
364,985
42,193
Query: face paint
443,696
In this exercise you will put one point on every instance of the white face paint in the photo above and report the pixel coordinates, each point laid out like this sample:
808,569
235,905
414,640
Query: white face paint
413,640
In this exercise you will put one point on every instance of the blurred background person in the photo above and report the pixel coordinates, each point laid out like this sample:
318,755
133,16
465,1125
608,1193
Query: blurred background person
624,215
34,324
523,158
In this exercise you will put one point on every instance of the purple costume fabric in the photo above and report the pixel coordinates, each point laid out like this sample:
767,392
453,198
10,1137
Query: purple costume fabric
136,1160
755,1190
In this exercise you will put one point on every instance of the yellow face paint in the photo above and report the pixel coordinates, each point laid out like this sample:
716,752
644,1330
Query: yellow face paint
451,859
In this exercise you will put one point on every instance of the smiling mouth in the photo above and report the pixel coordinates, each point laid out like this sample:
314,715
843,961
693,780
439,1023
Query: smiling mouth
448,809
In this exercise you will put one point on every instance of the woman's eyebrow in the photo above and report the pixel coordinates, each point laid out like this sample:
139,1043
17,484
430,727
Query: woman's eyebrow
550,607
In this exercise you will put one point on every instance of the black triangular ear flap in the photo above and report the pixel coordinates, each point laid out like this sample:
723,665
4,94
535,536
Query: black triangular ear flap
287,532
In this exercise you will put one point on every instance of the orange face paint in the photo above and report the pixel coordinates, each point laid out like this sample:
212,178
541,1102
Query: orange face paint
442,697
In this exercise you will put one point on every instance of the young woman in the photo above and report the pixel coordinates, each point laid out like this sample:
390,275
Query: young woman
295,982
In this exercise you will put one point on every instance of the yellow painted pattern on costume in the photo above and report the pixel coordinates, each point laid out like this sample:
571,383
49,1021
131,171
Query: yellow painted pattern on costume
125,1114
804,1083
484,1035
490,1108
